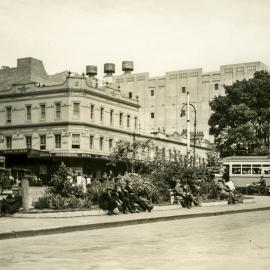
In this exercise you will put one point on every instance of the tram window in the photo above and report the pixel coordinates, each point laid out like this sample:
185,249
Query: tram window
236,169
266,169
256,169
246,169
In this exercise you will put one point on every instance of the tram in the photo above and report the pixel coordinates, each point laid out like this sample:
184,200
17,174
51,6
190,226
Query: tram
244,170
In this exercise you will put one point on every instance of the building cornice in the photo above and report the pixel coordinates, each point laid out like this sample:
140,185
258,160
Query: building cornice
73,123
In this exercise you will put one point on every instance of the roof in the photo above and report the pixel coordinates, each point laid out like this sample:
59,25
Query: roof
247,158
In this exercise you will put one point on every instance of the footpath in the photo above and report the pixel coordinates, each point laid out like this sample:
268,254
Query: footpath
26,225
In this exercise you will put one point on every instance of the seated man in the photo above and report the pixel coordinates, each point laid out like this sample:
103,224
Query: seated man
258,187
183,193
12,203
225,192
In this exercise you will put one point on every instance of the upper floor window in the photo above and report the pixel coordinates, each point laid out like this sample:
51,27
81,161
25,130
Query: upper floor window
101,114
183,89
91,142
58,111
92,108
152,115
216,86
28,112
135,122
42,139
120,119
152,92
42,111
110,144
76,141
57,140
8,114
76,110
8,142
129,94
28,140
101,139
163,153
111,117
128,120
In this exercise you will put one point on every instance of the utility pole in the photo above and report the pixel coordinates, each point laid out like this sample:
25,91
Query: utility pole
188,127
188,104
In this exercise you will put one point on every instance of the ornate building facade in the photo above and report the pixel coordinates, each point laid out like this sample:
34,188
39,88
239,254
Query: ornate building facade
46,119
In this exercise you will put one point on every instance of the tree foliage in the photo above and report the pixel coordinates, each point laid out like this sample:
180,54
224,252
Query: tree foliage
241,119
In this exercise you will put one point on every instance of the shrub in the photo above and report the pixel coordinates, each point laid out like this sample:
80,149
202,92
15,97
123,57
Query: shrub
61,183
59,202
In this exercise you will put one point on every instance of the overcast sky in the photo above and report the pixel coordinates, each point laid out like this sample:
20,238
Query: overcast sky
158,35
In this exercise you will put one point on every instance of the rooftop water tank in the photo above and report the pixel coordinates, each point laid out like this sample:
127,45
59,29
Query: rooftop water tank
127,66
109,68
91,71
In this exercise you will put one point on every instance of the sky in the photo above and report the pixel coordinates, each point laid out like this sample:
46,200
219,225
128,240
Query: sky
158,35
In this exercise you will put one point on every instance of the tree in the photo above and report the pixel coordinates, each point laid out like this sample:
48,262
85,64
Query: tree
241,119
132,154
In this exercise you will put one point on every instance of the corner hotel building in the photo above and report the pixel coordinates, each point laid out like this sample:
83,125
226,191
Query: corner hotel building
46,119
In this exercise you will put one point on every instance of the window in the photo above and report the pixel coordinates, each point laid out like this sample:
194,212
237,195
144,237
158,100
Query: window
236,169
28,112
57,139
152,92
228,70
92,108
8,114
128,120
183,89
111,117
91,142
42,139
75,141
110,144
216,86
266,169
246,169
76,110
182,75
135,122
251,68
8,142
129,94
101,139
256,169
101,114
42,111
152,115
28,140
163,153
120,119
170,154
58,111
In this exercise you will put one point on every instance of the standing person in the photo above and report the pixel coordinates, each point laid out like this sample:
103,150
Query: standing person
88,180
79,179
83,184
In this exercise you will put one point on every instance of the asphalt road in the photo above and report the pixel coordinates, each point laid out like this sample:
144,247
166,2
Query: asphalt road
239,241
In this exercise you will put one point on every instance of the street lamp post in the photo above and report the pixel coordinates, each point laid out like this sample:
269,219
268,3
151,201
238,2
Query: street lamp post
188,128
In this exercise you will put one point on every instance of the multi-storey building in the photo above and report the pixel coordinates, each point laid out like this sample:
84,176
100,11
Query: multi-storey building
162,98
46,119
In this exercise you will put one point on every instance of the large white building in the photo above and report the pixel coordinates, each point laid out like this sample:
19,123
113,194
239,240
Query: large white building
162,98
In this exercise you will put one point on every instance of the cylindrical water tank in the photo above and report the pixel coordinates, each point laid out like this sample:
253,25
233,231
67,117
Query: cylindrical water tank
127,66
91,71
109,68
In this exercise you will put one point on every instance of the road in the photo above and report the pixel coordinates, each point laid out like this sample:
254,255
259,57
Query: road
239,241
